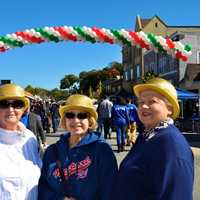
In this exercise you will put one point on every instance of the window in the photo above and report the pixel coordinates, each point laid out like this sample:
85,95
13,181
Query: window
156,24
151,67
137,71
162,65
126,76
132,74
113,90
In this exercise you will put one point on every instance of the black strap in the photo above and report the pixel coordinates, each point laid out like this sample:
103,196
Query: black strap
58,162
67,192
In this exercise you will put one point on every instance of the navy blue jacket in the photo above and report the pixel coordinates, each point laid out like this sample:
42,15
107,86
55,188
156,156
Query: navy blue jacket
161,168
88,170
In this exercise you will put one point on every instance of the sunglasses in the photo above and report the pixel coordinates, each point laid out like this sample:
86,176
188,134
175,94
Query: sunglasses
71,115
17,104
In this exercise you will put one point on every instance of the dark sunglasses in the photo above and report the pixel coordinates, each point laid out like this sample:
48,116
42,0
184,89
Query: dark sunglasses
71,115
17,104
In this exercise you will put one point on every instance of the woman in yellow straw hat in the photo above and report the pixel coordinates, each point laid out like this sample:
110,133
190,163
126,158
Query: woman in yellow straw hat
20,162
81,165
160,166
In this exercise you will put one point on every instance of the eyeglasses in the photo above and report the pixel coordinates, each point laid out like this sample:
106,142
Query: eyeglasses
71,115
16,104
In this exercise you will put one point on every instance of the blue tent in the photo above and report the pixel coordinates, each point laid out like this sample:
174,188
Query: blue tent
185,95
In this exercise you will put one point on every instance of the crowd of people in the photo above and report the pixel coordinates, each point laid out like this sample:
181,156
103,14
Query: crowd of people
119,115
81,165
48,112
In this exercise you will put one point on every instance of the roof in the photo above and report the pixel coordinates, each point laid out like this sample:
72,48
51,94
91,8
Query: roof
185,95
143,22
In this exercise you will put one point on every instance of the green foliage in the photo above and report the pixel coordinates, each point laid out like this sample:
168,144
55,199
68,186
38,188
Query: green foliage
68,81
30,89
59,94
91,78
43,93
117,66
94,77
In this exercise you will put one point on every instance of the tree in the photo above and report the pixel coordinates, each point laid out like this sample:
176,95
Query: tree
91,78
99,89
68,81
97,93
117,66
90,92
30,89
58,95
113,73
43,93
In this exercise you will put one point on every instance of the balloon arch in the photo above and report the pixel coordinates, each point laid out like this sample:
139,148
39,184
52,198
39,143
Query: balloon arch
93,35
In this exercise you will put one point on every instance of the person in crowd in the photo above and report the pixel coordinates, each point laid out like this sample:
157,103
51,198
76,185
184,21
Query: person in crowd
33,122
55,117
121,121
99,119
81,165
160,166
20,161
104,111
47,116
134,122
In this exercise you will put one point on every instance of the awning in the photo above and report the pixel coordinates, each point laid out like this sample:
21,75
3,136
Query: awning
184,94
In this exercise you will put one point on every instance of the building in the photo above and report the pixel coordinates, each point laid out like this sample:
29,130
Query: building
137,61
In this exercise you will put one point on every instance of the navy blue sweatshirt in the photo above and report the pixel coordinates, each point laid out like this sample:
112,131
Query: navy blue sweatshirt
88,170
161,168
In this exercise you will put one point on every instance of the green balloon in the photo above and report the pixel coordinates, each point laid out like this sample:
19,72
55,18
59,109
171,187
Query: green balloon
188,47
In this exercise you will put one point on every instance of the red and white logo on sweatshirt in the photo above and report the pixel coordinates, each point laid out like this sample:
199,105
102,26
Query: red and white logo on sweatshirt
80,169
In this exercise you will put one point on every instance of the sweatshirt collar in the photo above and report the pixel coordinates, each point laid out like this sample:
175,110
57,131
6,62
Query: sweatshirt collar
148,134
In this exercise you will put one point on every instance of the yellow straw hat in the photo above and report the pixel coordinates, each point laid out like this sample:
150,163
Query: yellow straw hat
164,88
78,102
12,91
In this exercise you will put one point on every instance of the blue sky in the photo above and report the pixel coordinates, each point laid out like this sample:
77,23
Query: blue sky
44,65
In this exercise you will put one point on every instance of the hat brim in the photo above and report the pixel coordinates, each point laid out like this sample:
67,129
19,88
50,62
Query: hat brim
66,108
17,98
142,87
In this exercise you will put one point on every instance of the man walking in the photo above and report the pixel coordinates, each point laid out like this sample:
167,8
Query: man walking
104,109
